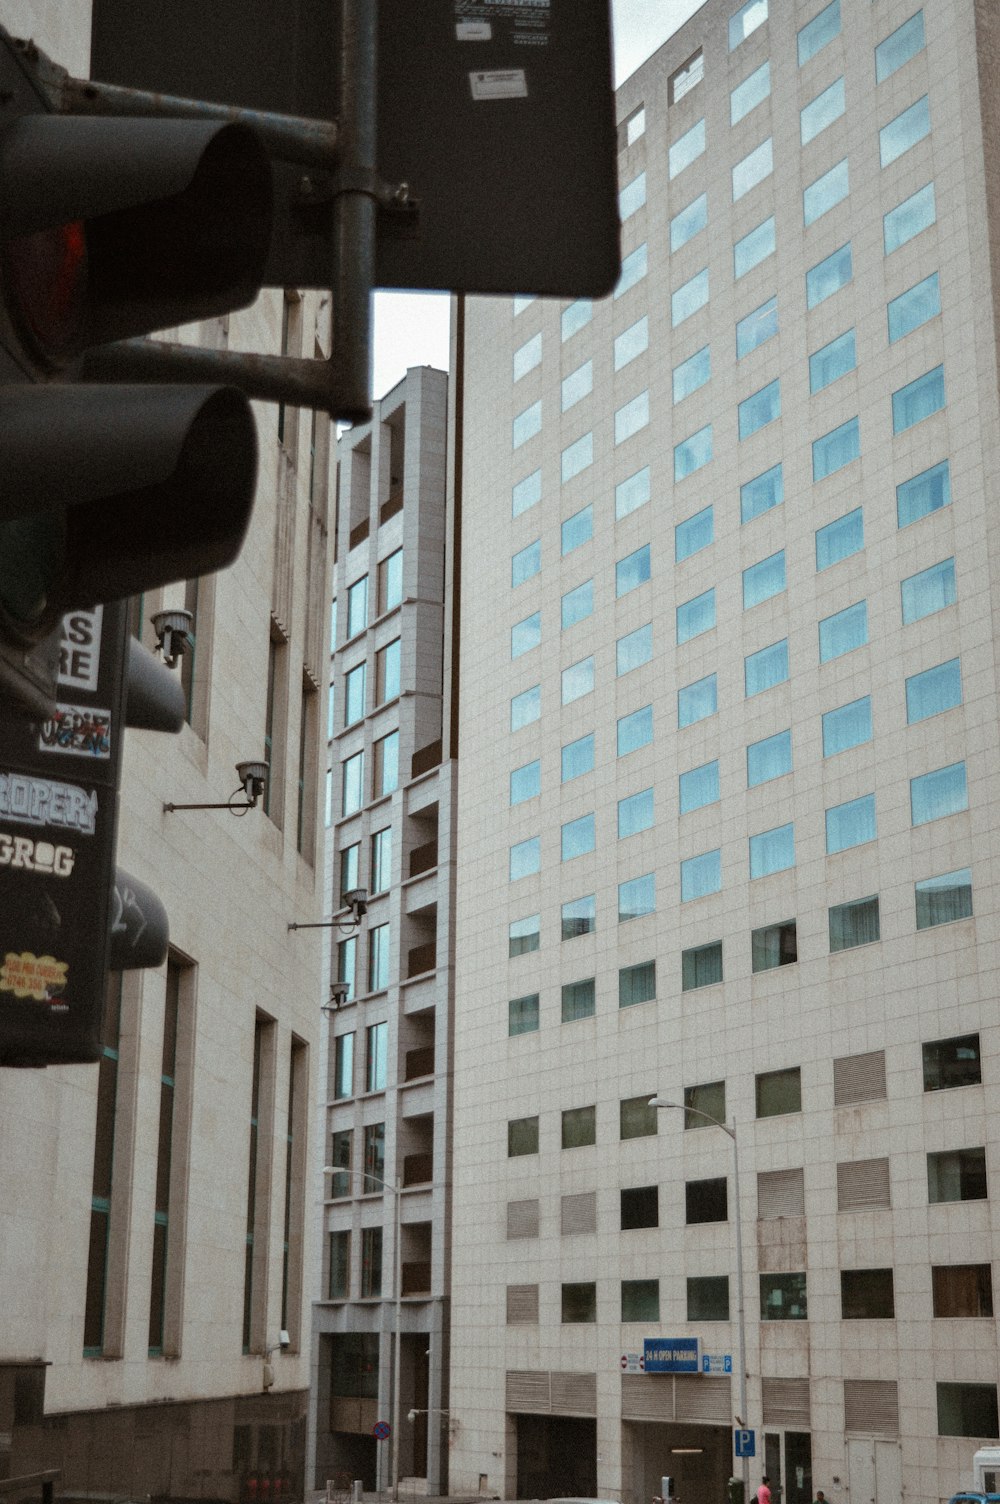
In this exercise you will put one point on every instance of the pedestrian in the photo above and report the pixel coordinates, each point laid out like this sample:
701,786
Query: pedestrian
820,1497
764,1492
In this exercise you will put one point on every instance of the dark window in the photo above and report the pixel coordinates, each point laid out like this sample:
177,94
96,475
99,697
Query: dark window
967,1410
779,1092
640,1300
636,1119
705,1101
956,1175
774,945
866,1294
952,1062
637,984
708,1298
706,1200
579,1127
782,1297
701,966
962,1289
522,1137
579,1302
640,1207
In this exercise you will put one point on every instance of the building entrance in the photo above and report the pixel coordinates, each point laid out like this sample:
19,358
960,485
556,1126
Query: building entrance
699,1458
556,1457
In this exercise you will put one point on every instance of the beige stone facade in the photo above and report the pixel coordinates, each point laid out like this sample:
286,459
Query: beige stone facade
739,850
152,1210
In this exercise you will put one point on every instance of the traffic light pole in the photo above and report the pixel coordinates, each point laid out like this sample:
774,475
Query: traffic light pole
346,149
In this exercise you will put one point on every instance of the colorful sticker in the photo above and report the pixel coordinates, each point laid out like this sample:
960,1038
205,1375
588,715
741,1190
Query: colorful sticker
27,975
84,731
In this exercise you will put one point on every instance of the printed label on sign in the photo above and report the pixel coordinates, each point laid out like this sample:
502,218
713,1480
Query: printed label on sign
473,31
499,83
73,728
26,855
80,649
28,975
43,801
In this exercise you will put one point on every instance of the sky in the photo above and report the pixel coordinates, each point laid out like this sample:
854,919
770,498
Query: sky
411,329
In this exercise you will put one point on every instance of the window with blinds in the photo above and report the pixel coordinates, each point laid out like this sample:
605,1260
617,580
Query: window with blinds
871,1406
578,1213
522,1219
780,1193
522,1305
859,1078
862,1184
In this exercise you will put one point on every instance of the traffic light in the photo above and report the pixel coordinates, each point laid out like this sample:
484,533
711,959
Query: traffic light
108,229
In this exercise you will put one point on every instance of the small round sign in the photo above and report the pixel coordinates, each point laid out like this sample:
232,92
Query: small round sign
381,1430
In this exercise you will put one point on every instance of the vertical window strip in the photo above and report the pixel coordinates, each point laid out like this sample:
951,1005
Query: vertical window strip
161,1211
101,1189
258,1037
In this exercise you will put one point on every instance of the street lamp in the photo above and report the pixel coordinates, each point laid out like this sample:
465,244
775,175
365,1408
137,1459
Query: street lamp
661,1102
396,1189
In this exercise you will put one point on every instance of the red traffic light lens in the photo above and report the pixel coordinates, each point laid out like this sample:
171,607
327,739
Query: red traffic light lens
47,287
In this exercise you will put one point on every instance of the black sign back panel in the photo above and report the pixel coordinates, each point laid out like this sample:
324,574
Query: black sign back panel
58,817
498,114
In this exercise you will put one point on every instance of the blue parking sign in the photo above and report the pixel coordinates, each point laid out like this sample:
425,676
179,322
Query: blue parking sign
745,1443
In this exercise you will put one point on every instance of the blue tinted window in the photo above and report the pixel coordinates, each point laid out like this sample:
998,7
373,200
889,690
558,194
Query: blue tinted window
576,316
525,782
631,417
847,726
526,634
759,409
902,44
747,95
696,616
831,362
935,795
701,875
526,493
692,453
914,307
526,707
577,529
843,632
934,691
525,563
850,824
635,814
686,300
692,374
636,897
929,591
924,493
918,400
686,224
825,193
633,650
765,668
763,580
577,604
829,275
769,758
696,701
631,343
772,851
905,131
632,493
836,449
631,198
577,680
632,571
576,457
754,168
743,22
914,214
577,385
698,787
821,111
525,858
633,269
526,425
754,248
693,533
577,838
635,730
686,149
577,758
821,29
756,328
761,494
839,539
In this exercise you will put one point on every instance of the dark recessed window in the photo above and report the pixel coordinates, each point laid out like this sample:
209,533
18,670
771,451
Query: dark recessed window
640,1207
782,1297
952,1062
579,1302
706,1200
866,1294
957,1175
774,945
640,1300
779,1092
962,1289
967,1410
708,1298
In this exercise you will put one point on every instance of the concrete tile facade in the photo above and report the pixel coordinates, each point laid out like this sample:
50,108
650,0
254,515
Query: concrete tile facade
535,1394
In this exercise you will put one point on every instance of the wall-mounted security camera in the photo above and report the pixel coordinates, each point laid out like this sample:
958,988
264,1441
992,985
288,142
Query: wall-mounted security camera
356,900
284,1340
173,633
253,777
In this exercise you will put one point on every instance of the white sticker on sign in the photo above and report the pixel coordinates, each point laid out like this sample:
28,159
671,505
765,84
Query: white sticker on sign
499,83
80,648
473,31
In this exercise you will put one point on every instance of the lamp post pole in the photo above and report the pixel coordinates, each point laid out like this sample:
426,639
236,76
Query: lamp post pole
741,1329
